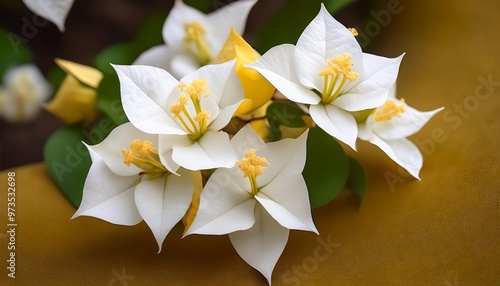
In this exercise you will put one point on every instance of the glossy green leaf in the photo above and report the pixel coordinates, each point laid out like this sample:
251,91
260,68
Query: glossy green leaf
13,51
274,131
109,100
356,181
119,54
326,169
68,161
287,25
286,114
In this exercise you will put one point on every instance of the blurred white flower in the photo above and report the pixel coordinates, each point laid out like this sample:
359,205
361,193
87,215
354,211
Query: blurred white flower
388,126
23,91
193,39
52,10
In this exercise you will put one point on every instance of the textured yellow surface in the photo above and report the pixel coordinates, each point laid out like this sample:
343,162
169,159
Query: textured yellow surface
444,230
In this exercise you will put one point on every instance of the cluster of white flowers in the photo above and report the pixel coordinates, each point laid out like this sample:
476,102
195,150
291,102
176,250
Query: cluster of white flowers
151,168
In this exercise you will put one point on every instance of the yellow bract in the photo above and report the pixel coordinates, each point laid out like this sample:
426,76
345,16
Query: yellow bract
75,101
195,201
255,87
389,110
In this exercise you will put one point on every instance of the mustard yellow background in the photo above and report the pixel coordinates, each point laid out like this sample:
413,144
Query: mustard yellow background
443,230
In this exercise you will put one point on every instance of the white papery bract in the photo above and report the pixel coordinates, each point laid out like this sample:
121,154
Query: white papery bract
258,201
328,71
52,10
193,39
23,91
188,115
127,186
388,126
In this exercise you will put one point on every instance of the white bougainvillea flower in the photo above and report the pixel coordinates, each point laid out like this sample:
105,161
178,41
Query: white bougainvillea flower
23,91
388,126
193,39
55,11
188,114
328,71
259,200
127,183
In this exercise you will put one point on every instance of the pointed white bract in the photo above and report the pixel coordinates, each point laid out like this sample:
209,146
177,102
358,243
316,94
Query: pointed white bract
127,192
188,115
52,10
388,126
193,39
258,215
328,71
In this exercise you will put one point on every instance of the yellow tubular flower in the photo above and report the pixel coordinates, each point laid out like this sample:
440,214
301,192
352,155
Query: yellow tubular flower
255,87
75,101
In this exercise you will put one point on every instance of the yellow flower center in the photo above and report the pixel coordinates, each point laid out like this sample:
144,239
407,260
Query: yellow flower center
196,125
196,41
251,166
389,110
336,74
145,157
353,31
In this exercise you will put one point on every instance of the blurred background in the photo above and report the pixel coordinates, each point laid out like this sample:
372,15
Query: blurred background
92,26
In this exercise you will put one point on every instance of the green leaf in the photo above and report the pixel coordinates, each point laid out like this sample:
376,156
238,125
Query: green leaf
286,114
120,54
356,181
150,33
68,161
287,25
109,100
274,131
326,169
13,51
56,76
206,5
67,158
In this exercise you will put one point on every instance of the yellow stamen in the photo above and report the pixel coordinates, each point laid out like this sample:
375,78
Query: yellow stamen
195,89
389,110
195,125
196,41
176,108
202,115
251,166
353,31
339,66
144,156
